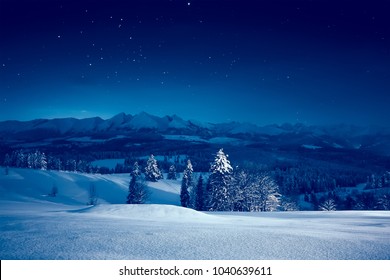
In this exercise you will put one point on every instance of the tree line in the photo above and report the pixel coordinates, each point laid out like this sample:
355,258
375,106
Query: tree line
224,190
240,189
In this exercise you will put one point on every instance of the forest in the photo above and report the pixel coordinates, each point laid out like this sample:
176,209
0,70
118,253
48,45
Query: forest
244,186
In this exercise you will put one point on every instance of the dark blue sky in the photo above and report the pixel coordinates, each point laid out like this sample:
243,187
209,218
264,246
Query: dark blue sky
316,62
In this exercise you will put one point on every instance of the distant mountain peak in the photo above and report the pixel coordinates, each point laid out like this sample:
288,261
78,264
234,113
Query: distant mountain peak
347,136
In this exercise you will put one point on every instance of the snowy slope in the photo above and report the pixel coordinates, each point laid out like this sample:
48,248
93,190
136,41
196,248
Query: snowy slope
73,188
36,226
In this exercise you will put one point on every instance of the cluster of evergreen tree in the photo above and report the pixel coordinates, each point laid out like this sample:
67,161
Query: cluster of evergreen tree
39,160
34,160
227,190
376,181
355,200
304,179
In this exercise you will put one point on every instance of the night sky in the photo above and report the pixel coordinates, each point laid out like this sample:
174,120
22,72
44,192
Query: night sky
264,62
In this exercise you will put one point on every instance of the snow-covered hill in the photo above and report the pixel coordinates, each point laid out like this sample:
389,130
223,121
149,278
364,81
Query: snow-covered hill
34,225
73,188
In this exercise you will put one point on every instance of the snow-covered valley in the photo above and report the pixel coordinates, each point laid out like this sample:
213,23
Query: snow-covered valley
35,225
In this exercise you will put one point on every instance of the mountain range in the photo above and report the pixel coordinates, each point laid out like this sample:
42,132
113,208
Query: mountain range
372,138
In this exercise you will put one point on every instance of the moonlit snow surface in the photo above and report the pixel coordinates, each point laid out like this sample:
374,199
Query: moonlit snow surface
36,226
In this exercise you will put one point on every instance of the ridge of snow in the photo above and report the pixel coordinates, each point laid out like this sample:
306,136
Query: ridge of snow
149,212
114,122
143,120
177,122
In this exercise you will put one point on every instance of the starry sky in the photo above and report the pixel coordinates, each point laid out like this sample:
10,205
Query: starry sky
264,62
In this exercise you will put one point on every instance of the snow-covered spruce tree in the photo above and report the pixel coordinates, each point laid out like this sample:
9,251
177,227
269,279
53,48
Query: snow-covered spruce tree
186,185
172,173
220,197
71,165
30,160
199,195
137,190
42,161
20,159
152,172
136,170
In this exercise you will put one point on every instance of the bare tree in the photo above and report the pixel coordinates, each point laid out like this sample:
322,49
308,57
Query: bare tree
54,191
328,205
92,197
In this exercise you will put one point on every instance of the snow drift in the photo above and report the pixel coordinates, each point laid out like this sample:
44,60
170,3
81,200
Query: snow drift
34,225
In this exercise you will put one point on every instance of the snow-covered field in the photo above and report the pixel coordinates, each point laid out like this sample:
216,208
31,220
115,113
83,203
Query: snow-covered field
34,225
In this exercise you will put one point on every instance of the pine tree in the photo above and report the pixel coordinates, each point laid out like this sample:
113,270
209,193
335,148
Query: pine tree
199,195
57,164
186,184
172,173
20,159
30,162
207,195
152,172
221,183
136,170
42,161
36,160
137,190
71,165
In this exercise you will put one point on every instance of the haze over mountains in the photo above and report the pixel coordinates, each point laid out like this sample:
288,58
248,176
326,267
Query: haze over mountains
371,138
